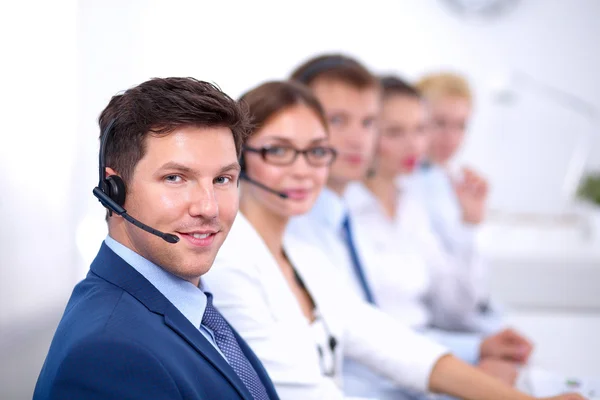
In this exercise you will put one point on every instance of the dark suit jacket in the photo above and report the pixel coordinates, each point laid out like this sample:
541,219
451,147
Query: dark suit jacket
120,338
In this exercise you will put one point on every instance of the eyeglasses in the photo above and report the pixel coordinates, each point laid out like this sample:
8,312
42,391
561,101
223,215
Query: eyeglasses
442,123
318,156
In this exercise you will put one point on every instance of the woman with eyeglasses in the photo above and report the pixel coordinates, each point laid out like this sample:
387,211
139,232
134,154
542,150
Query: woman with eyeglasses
279,294
254,281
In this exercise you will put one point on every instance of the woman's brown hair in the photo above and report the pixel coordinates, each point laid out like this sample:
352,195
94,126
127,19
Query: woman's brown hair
271,98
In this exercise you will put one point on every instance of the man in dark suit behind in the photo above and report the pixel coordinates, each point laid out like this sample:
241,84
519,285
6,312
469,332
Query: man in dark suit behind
139,326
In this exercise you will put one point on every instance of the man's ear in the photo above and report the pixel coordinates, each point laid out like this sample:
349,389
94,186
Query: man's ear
110,171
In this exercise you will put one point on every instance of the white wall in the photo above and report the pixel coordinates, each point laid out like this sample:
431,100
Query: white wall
238,44
38,127
52,134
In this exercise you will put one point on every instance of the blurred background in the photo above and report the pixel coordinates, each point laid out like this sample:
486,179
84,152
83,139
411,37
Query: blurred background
534,65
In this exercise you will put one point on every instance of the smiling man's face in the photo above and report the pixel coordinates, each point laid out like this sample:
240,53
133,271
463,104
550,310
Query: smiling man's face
185,184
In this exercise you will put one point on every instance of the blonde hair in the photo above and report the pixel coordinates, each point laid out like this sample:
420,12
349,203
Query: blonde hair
444,84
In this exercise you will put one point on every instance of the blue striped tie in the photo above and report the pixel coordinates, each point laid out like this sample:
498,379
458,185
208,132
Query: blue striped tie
358,269
226,341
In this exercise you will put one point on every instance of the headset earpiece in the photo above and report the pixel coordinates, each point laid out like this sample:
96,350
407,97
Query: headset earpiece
116,189
112,186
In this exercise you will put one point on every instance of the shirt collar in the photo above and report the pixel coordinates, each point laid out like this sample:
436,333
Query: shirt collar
187,298
361,200
329,208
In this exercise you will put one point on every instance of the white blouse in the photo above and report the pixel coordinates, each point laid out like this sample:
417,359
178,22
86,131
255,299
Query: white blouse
412,275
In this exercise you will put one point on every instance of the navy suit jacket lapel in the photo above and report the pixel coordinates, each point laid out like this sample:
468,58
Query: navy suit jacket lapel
114,269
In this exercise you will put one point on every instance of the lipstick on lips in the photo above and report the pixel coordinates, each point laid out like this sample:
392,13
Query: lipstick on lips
354,159
409,163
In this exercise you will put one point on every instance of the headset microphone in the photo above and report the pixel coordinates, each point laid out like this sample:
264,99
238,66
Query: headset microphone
245,177
111,192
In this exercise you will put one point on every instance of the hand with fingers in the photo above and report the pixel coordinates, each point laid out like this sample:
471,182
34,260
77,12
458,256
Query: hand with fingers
472,192
506,345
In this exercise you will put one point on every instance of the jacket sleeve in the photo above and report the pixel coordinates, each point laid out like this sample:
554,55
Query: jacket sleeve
390,348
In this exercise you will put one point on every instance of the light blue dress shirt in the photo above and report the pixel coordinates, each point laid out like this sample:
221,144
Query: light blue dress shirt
330,209
322,226
187,298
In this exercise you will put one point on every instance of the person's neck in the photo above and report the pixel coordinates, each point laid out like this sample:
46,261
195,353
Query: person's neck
119,234
336,186
270,227
383,187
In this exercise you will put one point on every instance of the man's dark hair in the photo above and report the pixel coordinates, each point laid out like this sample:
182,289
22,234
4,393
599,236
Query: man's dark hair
158,107
392,85
335,67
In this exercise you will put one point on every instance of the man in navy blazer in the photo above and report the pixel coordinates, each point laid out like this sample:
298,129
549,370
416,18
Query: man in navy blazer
139,326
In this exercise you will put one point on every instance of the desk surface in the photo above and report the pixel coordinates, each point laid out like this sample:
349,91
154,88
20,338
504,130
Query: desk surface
567,343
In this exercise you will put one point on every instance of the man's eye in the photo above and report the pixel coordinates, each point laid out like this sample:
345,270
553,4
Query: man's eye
173,178
369,122
222,180
336,120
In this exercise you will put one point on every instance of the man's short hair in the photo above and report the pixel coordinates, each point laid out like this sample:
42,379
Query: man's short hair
158,107
393,85
335,67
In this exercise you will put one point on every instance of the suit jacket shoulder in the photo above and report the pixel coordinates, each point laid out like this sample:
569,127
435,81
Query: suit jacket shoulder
121,338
